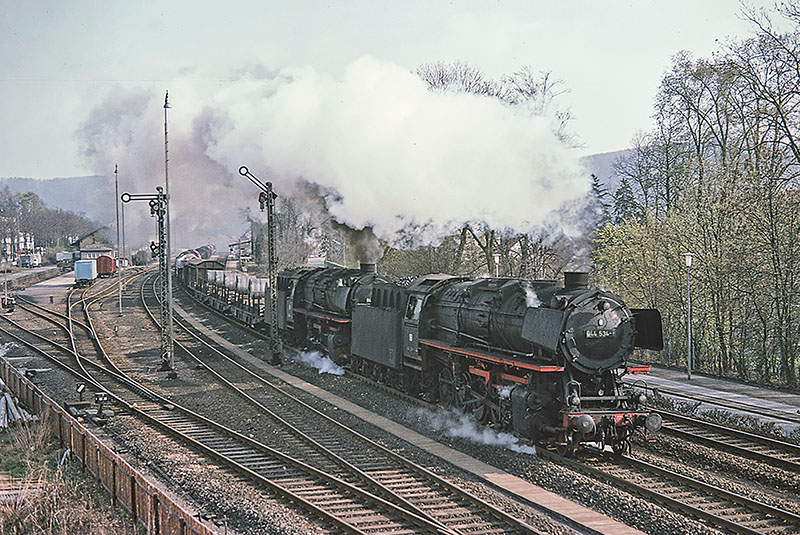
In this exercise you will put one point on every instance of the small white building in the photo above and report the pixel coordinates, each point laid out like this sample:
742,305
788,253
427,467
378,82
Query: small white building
96,250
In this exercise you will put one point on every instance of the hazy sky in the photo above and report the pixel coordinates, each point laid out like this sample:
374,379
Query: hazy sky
61,58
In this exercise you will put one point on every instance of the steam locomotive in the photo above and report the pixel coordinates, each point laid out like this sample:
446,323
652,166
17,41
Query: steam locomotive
529,356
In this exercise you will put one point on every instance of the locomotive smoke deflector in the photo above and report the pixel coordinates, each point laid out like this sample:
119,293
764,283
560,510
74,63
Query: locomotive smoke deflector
542,327
649,334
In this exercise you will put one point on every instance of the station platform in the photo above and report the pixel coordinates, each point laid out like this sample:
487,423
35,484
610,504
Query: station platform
780,407
55,288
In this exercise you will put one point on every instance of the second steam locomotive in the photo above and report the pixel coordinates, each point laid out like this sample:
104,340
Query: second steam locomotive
536,357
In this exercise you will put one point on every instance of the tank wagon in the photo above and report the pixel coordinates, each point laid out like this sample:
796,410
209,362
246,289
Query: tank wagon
239,295
535,357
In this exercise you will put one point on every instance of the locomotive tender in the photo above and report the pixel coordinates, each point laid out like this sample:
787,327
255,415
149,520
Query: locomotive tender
529,356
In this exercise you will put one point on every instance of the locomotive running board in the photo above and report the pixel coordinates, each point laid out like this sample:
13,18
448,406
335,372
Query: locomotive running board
492,358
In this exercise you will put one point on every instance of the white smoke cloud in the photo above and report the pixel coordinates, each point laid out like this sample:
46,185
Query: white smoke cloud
531,299
458,425
382,149
315,359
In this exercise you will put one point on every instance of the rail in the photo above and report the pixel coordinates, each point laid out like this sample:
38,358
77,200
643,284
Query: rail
130,489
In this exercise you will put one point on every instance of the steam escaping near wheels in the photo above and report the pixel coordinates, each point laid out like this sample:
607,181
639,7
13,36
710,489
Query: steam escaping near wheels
315,359
458,425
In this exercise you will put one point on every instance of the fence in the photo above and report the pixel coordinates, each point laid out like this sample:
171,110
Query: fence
129,489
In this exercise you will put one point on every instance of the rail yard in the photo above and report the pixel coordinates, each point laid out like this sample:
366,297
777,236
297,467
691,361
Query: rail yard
398,275
245,446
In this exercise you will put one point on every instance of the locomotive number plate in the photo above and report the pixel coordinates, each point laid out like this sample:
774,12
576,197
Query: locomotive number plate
599,333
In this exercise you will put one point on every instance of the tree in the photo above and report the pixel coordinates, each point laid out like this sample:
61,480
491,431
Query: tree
719,177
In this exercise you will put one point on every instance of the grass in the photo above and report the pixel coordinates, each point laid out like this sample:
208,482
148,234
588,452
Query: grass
70,500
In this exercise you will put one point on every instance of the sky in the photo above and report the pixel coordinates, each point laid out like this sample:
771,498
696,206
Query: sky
322,99
60,58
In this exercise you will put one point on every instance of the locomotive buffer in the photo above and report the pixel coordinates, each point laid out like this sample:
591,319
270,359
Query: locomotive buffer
266,199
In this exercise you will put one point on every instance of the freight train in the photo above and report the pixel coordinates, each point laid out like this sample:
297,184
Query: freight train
535,357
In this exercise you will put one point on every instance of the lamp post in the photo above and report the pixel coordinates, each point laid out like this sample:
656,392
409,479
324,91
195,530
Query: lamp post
688,257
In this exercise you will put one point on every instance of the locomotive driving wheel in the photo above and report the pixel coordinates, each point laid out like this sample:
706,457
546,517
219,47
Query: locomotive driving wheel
479,404
463,399
447,387
567,443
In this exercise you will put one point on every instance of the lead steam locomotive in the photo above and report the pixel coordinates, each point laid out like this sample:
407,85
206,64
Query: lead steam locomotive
529,356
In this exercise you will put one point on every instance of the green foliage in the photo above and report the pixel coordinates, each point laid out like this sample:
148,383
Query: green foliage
719,177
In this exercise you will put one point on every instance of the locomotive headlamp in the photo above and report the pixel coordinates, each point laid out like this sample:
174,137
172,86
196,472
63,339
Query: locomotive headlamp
584,424
574,400
605,306
642,399
653,422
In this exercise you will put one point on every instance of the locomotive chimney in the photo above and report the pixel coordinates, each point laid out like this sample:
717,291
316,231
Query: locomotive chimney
368,267
576,280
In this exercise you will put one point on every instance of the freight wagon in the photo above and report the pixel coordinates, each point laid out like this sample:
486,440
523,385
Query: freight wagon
106,266
85,272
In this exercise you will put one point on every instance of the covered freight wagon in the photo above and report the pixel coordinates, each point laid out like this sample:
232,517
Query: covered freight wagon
85,272
106,266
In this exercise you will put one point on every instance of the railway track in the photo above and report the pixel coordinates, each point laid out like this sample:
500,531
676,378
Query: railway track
714,505
722,403
763,449
317,438
340,504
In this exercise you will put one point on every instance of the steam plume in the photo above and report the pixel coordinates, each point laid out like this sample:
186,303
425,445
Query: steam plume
379,148
315,359
462,426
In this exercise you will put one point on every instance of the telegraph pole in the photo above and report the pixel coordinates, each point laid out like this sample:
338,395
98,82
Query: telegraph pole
167,252
119,266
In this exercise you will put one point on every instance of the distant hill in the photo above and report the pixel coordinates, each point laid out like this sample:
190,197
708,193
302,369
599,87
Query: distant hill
92,196
602,166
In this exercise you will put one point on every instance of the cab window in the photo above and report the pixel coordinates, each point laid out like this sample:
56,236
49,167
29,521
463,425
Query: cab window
413,308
